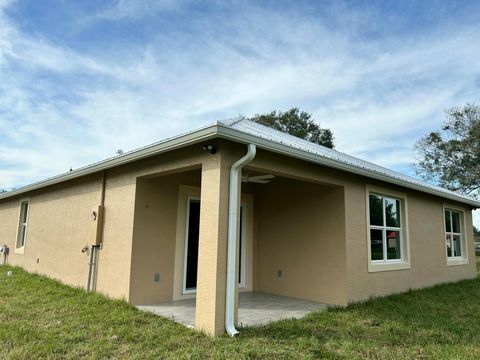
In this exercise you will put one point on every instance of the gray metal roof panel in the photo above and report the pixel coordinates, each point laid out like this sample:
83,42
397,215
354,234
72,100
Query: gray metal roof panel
267,133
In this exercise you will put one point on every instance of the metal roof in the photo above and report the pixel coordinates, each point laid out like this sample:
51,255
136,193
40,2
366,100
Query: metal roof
246,131
292,146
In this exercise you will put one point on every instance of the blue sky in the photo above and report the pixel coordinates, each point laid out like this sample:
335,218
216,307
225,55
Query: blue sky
81,79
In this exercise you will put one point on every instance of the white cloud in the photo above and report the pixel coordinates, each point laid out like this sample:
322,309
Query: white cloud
60,107
136,10
476,218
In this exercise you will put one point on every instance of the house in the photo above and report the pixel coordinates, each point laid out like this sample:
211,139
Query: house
235,207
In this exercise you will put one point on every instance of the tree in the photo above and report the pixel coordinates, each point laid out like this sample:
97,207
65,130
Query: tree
451,156
297,123
476,232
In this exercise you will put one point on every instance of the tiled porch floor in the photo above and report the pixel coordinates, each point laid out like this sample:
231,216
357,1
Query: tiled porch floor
255,308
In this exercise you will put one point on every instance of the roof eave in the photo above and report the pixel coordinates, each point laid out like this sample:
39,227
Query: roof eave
219,130
173,143
236,135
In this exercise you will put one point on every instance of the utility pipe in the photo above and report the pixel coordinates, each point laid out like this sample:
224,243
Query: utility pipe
90,267
101,216
235,188
92,264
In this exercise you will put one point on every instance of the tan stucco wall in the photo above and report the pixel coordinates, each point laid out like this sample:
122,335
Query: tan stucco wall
426,231
292,226
114,276
114,257
323,254
300,232
59,226
154,239
427,246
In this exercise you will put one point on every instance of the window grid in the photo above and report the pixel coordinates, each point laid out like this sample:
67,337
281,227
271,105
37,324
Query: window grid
452,234
22,231
384,230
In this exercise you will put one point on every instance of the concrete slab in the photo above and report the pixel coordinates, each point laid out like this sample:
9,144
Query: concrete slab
255,308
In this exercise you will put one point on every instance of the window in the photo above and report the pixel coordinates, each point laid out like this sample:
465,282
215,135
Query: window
22,225
454,239
387,233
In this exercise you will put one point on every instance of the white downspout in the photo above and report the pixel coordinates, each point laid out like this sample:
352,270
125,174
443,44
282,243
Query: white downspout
235,173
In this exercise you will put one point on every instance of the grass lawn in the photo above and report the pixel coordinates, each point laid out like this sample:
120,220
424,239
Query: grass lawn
41,318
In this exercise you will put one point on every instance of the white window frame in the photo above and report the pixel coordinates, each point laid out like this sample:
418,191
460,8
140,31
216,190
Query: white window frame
455,260
389,264
21,249
243,249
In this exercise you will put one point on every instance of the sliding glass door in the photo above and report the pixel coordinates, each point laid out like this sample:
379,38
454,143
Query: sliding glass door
191,247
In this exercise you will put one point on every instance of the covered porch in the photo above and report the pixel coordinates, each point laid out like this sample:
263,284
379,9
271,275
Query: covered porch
290,246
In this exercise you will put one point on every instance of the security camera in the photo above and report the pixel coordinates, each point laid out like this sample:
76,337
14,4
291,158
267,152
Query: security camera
211,148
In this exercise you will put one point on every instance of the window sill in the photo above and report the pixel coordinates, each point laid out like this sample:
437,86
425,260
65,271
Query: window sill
377,267
20,251
457,262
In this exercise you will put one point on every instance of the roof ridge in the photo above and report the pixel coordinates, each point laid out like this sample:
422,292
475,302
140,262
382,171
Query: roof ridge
231,121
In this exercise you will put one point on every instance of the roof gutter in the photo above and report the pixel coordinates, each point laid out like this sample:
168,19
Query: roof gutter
239,136
223,131
206,133
235,190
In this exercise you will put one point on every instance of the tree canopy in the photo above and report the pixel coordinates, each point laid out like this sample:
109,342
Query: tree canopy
297,123
451,156
476,232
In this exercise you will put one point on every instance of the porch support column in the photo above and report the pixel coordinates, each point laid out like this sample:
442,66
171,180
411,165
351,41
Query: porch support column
212,248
